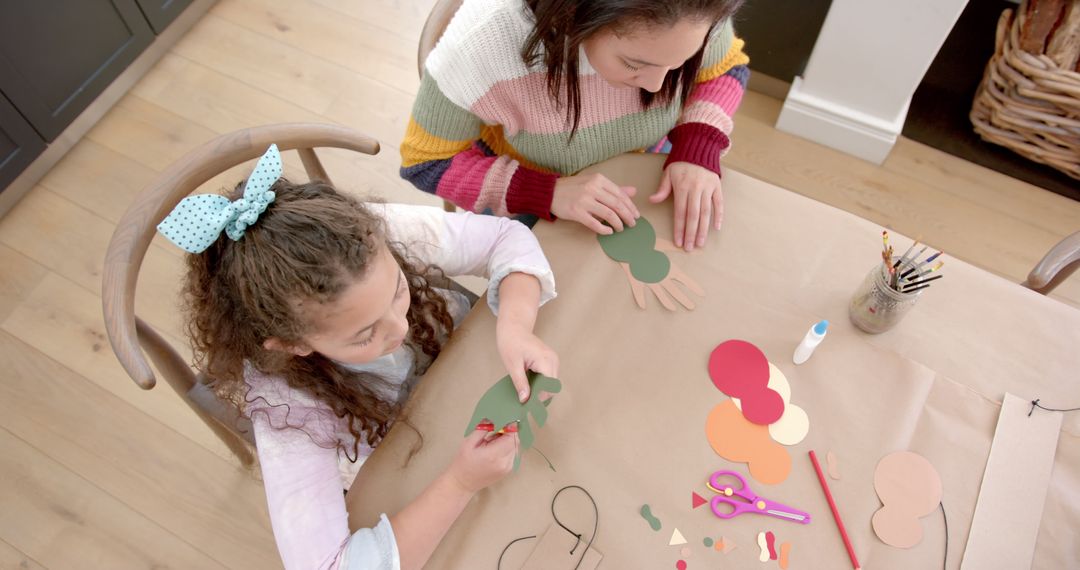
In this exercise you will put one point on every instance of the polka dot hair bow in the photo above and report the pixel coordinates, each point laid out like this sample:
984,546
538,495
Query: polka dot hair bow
197,221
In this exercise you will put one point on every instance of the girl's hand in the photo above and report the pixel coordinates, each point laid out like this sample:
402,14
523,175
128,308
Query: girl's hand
521,351
483,459
698,202
592,200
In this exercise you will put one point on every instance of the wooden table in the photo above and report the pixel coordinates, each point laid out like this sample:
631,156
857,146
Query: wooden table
629,425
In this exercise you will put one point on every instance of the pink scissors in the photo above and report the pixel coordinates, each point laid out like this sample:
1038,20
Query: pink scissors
743,500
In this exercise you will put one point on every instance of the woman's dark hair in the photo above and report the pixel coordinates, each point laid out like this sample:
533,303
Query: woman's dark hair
562,25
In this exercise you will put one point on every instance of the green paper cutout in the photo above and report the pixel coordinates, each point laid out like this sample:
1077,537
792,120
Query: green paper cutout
636,246
708,542
500,406
646,513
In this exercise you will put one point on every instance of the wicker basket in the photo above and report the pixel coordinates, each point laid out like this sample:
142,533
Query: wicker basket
1027,103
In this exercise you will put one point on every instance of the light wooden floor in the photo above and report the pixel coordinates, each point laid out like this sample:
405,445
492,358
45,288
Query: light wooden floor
98,474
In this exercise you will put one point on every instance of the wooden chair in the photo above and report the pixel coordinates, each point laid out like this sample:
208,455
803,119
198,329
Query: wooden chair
441,14
1056,266
129,335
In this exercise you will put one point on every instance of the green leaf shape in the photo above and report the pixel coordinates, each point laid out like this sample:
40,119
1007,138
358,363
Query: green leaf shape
636,246
500,406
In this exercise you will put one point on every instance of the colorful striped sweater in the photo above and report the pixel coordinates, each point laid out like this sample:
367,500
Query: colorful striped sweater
486,135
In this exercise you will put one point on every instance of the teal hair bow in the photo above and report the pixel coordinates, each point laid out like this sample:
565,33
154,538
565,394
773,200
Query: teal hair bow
197,221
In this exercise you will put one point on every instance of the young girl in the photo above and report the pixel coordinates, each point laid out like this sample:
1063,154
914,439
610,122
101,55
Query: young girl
315,314
520,95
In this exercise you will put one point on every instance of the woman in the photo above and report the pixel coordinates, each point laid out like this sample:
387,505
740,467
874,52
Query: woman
520,95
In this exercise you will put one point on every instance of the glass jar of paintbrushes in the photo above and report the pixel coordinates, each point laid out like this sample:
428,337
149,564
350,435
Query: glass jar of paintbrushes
892,287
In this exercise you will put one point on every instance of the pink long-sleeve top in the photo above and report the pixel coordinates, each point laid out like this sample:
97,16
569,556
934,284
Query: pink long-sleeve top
303,471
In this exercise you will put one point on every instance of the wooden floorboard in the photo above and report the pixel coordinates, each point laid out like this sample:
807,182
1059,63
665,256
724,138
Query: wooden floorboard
200,497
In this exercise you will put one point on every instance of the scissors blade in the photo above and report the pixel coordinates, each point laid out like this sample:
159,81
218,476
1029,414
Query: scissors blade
789,516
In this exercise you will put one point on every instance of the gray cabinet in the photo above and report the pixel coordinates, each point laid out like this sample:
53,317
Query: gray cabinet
19,144
57,56
161,13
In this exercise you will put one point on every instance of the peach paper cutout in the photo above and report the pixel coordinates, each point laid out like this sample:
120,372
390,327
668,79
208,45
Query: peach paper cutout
736,439
834,466
740,370
909,488
785,550
793,424
724,545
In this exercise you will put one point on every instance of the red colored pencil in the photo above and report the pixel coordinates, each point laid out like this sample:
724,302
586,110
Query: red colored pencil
835,512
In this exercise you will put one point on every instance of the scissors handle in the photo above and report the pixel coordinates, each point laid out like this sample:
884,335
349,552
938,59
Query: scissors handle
716,485
738,507
760,506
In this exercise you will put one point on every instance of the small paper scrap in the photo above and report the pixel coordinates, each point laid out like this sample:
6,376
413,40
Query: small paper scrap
676,538
708,542
770,541
696,500
834,468
763,545
646,513
785,550
680,565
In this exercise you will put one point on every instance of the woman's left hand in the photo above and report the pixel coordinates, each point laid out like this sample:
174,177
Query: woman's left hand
521,350
699,202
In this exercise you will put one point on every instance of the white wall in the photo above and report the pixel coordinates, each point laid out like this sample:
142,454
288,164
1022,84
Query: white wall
868,60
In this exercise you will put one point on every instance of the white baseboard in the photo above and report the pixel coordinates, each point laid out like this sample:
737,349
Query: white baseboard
848,130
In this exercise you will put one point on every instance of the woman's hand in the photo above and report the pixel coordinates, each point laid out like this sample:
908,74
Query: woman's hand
699,202
521,351
592,200
519,348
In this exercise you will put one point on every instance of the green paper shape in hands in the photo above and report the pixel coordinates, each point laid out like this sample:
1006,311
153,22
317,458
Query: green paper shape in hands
636,247
500,406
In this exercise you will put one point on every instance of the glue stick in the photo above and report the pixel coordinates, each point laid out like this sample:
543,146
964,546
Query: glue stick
813,337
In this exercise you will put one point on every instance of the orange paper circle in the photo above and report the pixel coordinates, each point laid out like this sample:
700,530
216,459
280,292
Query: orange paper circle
735,438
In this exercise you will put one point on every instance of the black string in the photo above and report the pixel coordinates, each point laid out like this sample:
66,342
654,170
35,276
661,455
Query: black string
1035,404
507,547
577,536
945,562
596,521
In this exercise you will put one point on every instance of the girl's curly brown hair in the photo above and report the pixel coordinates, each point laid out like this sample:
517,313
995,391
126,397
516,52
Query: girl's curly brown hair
309,245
